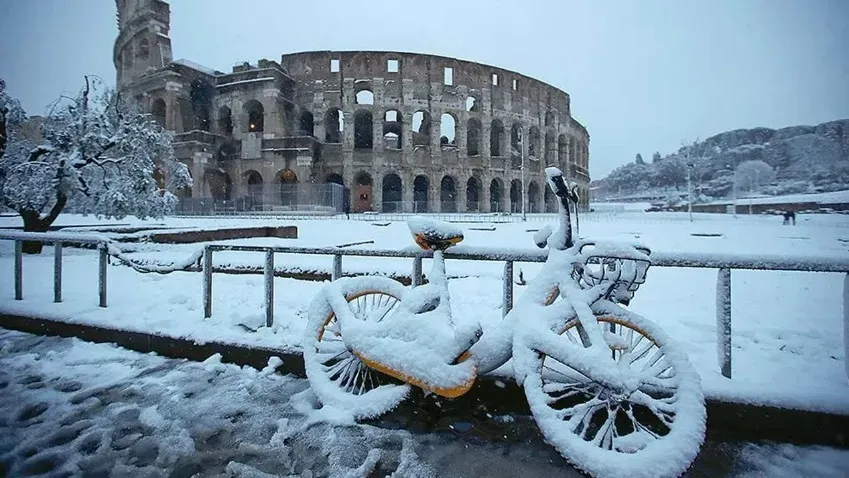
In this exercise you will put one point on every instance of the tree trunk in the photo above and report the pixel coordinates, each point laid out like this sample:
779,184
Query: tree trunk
33,222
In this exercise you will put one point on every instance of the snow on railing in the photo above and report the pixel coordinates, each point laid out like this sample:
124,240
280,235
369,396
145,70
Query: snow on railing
723,262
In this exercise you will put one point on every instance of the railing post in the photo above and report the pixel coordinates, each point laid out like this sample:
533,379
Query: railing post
417,271
101,276
507,303
337,267
207,282
846,323
57,272
269,288
19,270
723,321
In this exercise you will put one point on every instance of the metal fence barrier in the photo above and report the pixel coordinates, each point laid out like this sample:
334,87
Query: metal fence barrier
58,240
724,263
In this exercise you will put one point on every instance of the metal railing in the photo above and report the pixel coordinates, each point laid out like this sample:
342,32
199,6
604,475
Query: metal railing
58,240
724,263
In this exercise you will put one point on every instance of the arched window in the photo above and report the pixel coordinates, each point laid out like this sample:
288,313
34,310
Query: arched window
392,193
496,135
496,192
159,111
363,130
533,197
421,128
473,137
201,97
333,126
533,143
448,195
561,150
256,116
472,103
516,139
473,187
365,97
225,121
306,123
448,130
420,194
392,130
515,196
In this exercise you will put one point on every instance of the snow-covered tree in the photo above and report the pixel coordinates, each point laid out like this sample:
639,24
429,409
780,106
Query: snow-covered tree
750,175
639,159
656,157
97,152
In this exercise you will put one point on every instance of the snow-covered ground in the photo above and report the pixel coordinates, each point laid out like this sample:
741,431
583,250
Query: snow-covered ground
787,327
72,408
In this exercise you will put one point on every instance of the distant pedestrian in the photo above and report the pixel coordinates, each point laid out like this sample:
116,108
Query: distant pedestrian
347,208
789,218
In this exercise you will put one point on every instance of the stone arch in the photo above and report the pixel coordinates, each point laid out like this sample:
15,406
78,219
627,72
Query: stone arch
515,196
220,184
253,186
496,195
362,192
549,118
496,138
550,156
159,112
533,197
392,193
334,178
516,139
473,137
306,123
561,150
393,129
421,192
420,128
363,130
288,184
447,130
255,113
550,201
334,125
447,194
533,143
225,121
473,103
200,94
364,97
473,192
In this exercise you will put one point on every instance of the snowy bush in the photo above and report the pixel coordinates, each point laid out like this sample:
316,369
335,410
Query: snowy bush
95,151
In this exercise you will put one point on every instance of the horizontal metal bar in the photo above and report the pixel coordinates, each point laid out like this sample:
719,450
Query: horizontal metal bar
659,259
52,237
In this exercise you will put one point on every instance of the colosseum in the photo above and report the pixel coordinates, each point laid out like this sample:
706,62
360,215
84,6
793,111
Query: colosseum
370,130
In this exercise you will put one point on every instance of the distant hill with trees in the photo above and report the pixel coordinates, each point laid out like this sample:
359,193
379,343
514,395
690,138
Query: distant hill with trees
796,159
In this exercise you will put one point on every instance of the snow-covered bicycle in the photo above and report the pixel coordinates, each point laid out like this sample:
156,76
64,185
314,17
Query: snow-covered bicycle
608,388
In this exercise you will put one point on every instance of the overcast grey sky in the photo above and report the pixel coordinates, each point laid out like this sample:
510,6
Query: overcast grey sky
643,75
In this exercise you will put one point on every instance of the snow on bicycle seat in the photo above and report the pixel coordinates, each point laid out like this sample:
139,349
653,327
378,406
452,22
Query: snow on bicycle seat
431,234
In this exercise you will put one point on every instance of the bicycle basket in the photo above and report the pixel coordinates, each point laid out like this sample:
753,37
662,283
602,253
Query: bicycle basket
624,267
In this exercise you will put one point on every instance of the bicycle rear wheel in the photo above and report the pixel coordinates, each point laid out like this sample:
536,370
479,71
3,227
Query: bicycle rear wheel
654,431
336,375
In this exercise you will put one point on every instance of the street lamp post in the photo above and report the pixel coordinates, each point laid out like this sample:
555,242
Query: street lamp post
689,192
522,146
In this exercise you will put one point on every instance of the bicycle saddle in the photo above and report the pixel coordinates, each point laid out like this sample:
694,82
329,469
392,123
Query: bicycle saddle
435,235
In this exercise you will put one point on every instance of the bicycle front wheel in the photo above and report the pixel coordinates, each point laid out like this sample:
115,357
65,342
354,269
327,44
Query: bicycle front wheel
337,376
655,430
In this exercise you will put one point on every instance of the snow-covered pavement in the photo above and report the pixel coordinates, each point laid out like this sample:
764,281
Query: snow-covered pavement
72,408
787,327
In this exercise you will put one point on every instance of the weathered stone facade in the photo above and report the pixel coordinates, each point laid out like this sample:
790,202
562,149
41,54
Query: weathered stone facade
404,131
